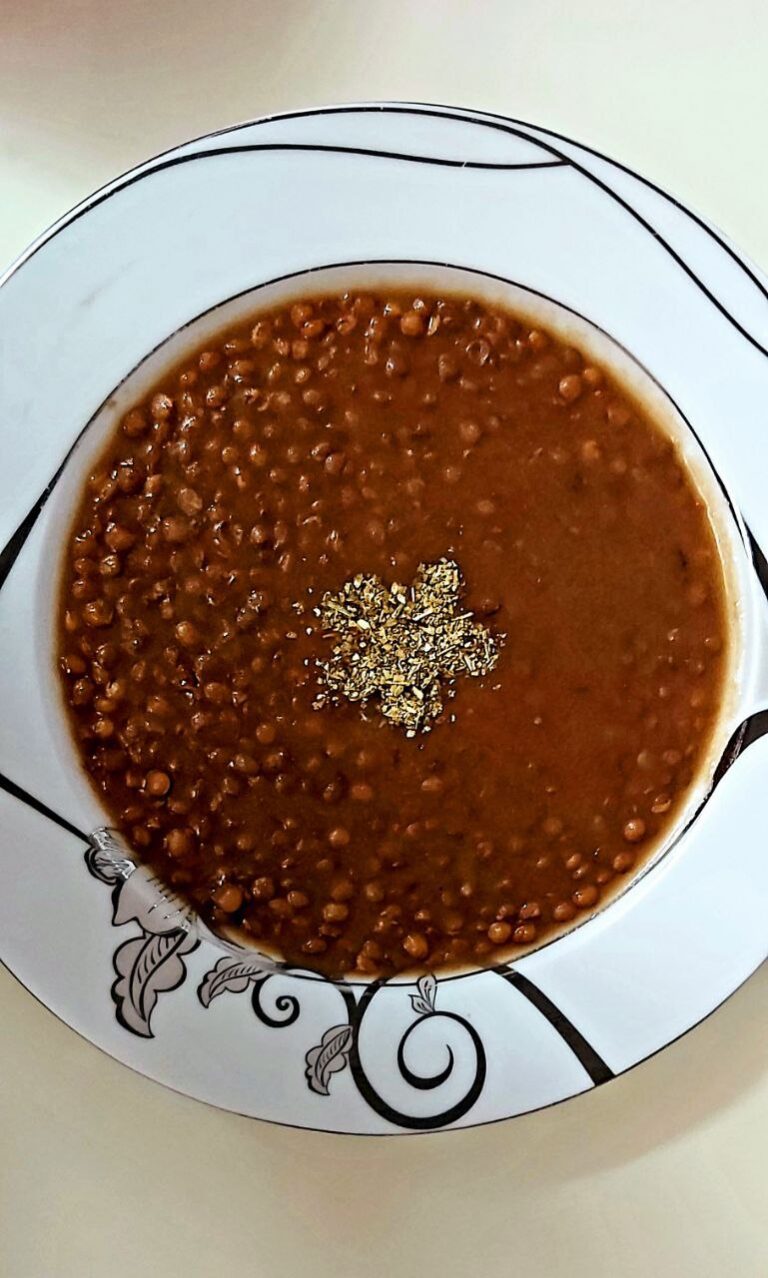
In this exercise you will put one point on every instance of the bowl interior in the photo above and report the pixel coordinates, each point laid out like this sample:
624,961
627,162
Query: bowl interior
744,620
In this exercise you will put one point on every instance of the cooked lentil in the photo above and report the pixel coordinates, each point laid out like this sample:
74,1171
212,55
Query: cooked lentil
368,434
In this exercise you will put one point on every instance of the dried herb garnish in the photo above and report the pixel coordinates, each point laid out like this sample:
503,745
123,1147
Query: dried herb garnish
404,645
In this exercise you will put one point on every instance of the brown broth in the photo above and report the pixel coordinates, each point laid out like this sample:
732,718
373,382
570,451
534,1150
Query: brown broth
370,433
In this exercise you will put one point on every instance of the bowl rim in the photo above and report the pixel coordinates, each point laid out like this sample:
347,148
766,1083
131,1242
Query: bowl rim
568,323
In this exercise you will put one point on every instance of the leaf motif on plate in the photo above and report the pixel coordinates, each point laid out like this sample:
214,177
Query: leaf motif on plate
423,1001
106,858
144,897
229,975
146,967
151,963
328,1058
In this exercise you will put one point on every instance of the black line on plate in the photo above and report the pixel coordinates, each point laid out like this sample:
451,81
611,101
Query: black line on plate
505,124
16,792
485,120
513,127
13,547
495,122
470,115
617,164
736,744
15,544
158,164
756,726
588,1058
759,560
608,191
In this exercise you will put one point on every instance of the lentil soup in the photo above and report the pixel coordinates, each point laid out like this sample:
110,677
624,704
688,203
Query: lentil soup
262,519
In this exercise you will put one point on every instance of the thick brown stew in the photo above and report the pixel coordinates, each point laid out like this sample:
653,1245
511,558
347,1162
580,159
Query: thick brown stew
370,434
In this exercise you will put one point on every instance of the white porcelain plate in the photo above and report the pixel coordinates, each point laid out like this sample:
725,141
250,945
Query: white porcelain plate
174,249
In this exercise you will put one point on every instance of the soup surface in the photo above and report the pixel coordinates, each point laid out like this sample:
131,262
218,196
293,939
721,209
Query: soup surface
366,435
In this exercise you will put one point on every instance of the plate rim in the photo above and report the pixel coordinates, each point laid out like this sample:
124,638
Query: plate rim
473,116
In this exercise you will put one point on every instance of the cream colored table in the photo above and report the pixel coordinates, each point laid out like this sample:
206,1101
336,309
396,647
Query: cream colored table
104,1174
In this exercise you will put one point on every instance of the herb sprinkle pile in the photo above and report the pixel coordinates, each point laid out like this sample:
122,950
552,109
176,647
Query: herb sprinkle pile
402,645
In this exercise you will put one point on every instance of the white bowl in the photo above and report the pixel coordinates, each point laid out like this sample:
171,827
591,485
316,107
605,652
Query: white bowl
193,240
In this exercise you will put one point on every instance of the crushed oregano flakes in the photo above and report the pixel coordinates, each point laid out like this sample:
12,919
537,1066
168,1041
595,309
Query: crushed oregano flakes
404,645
